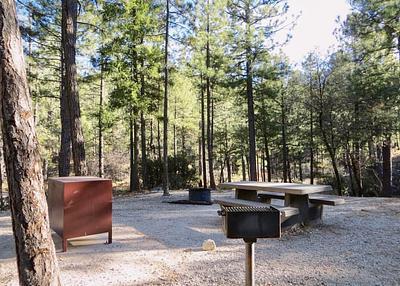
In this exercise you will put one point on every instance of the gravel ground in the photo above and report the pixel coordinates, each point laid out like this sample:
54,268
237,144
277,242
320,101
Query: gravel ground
156,243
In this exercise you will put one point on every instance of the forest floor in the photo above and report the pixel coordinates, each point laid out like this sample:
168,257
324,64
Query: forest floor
157,243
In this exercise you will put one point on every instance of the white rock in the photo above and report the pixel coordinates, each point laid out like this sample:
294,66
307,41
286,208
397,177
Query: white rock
209,245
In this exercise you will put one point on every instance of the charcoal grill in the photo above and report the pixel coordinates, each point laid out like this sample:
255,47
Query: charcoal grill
250,223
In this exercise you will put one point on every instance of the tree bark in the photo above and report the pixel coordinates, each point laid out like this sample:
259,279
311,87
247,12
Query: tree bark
2,202
311,148
36,258
136,182
284,144
134,152
387,167
263,167
355,166
350,171
289,169
143,147
64,158
229,168
159,140
143,126
209,112
174,127
250,100
199,158
165,118
243,168
221,175
228,156
101,139
268,157
69,12
203,134
300,170
131,155
151,143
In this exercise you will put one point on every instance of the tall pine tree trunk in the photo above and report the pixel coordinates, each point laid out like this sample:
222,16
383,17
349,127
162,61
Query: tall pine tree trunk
64,158
165,118
203,135
228,167
199,158
151,143
69,12
387,167
136,182
143,147
243,168
2,199
284,145
131,155
267,156
250,99
174,127
159,140
209,112
311,148
300,170
101,139
36,258
143,127
134,185
227,156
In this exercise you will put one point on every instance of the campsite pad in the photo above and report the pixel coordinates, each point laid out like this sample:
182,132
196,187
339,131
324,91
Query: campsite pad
155,243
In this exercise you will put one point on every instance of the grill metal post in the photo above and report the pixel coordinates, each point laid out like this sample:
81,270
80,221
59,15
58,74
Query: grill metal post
250,243
250,223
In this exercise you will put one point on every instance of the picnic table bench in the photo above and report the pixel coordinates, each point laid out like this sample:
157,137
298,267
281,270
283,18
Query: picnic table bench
303,203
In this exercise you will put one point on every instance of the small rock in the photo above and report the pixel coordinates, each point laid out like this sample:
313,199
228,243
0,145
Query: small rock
209,245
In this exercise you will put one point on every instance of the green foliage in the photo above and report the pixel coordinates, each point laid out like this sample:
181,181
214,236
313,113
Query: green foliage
339,108
182,174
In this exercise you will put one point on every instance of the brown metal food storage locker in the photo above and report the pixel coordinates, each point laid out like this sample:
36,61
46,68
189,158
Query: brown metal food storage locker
80,206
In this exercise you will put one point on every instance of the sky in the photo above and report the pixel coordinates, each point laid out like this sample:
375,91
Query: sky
314,28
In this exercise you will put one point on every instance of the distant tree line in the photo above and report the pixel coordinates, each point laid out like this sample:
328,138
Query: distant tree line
207,72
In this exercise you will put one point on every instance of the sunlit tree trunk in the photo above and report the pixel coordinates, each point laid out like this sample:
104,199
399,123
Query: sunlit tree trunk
250,100
69,12
268,157
101,139
387,167
243,168
284,144
143,127
203,135
2,199
165,118
159,140
209,111
311,147
64,158
143,147
36,258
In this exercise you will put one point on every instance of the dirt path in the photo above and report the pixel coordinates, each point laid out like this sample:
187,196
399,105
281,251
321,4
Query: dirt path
156,243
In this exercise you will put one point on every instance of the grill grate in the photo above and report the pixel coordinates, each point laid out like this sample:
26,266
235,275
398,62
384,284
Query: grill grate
248,209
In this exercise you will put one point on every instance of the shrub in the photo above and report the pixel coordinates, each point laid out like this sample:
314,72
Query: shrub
181,172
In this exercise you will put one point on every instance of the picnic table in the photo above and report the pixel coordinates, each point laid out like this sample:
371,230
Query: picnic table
303,203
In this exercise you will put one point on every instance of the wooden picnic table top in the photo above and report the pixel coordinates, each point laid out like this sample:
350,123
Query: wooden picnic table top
288,188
